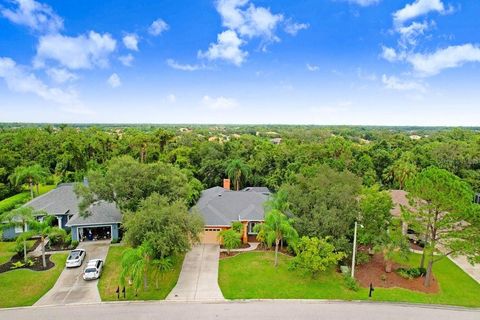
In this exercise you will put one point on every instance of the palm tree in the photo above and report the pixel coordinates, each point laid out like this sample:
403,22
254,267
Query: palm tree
43,229
32,175
22,217
278,227
231,239
160,266
135,265
237,170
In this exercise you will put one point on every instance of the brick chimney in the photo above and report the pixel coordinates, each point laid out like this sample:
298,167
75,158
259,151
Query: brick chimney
226,184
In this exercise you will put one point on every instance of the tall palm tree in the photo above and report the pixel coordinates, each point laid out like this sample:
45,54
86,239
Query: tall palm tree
277,227
237,170
135,265
43,229
32,175
21,217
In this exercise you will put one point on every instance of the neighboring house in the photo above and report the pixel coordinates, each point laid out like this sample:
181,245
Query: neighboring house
101,221
400,200
222,206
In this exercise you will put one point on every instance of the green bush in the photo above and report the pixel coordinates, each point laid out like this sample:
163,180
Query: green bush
18,264
57,236
115,241
362,258
411,273
237,226
351,283
50,181
68,240
74,244
14,201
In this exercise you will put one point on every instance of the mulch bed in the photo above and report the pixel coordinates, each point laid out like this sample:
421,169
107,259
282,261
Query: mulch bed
415,246
37,265
373,271
57,247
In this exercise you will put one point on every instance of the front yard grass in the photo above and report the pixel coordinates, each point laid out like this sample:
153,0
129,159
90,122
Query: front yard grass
252,275
24,287
109,281
7,250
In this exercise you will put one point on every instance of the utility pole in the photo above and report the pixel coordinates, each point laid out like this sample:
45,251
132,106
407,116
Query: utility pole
354,250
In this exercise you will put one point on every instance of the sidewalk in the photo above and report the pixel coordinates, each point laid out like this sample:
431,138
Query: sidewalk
253,246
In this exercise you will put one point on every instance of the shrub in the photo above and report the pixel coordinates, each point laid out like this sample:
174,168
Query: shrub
29,263
315,255
18,264
230,238
237,226
68,240
74,244
57,236
362,258
411,273
351,283
115,241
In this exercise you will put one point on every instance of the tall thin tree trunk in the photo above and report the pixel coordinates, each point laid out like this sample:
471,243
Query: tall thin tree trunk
25,250
428,276
30,182
38,190
276,252
43,253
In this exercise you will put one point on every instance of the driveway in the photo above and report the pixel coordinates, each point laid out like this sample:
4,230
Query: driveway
198,279
70,286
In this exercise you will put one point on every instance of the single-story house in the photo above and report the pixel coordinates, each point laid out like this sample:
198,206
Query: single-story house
102,219
221,206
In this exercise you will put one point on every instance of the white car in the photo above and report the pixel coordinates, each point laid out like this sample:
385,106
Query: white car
93,269
75,258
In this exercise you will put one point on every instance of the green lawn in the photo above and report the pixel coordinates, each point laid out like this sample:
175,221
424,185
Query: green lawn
252,276
21,198
24,287
7,250
110,278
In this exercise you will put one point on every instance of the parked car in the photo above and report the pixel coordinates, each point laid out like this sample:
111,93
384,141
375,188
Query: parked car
75,258
93,270
414,237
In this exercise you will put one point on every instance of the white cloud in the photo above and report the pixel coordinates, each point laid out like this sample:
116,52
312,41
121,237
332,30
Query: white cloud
19,80
395,83
158,27
410,34
219,103
450,57
293,27
35,15
227,48
419,8
312,67
171,98
61,75
184,67
389,54
130,41
81,52
114,81
126,60
249,22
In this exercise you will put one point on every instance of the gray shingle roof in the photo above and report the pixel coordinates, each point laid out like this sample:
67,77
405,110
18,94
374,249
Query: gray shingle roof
219,206
100,212
60,200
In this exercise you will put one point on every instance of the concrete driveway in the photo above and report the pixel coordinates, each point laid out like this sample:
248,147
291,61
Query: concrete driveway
198,279
70,286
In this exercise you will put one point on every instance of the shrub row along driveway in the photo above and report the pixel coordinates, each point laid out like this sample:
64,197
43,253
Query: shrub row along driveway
198,279
70,286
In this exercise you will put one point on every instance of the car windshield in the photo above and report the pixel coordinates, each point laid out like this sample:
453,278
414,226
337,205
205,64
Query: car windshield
90,270
74,255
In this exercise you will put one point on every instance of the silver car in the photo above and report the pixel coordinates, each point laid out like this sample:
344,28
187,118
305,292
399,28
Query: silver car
75,258
93,270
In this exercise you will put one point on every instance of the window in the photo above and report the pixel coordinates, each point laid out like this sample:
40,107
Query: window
212,229
251,227
18,229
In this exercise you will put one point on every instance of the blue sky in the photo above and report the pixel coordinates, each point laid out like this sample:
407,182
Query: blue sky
371,62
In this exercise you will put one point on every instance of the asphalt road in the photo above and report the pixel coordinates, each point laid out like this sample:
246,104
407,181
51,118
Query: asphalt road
274,310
